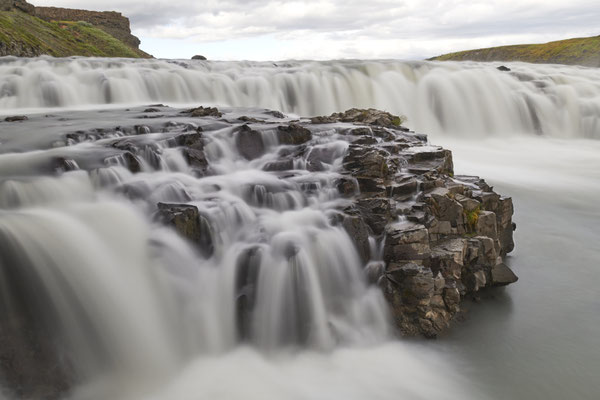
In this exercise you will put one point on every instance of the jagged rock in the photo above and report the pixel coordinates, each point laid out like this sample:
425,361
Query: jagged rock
448,230
249,142
406,242
363,117
203,112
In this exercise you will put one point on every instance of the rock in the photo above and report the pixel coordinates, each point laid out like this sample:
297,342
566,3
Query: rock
275,114
486,224
189,223
16,118
502,275
203,112
199,57
503,68
293,134
280,165
364,117
249,142
359,232
406,242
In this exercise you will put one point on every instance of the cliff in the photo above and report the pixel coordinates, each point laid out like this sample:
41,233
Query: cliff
29,31
110,22
578,51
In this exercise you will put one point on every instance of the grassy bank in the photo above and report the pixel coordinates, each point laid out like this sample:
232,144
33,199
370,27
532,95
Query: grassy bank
22,34
579,51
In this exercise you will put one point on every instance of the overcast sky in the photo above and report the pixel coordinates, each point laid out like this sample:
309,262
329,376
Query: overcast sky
333,29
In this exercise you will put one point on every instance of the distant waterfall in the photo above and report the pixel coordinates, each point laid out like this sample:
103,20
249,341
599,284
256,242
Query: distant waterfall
467,99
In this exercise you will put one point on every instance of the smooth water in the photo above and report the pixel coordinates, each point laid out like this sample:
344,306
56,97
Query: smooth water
149,316
462,99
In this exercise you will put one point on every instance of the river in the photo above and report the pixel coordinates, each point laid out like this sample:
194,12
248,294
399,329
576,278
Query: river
532,133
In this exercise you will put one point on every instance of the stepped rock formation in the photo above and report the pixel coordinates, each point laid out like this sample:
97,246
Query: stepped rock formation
424,239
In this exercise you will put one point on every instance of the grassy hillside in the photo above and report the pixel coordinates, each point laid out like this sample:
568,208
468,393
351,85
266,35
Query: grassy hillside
579,51
24,35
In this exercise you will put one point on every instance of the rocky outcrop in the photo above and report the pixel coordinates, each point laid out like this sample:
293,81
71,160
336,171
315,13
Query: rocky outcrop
445,237
22,5
441,237
111,22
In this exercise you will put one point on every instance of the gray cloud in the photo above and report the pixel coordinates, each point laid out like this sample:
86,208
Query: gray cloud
435,26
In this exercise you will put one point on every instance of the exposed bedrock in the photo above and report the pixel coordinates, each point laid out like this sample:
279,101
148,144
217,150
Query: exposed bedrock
443,237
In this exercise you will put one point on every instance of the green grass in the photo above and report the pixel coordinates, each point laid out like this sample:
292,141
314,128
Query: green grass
60,39
472,217
578,51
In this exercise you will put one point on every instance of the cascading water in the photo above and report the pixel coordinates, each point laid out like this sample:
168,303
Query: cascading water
277,303
438,98
84,256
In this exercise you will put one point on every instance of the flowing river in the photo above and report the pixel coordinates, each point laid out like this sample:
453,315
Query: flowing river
146,316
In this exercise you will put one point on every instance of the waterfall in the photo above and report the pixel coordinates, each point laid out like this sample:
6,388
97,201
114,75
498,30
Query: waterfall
86,258
469,99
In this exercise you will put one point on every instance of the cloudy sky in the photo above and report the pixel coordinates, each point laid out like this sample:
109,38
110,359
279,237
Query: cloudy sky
333,29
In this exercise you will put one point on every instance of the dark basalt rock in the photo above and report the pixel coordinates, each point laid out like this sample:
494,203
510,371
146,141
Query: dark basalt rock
363,117
249,142
293,134
445,237
16,118
189,223
203,112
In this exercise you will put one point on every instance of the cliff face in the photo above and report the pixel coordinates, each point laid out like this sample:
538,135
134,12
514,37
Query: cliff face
110,22
29,31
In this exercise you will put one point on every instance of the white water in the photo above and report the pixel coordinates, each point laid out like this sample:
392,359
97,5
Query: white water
145,316
438,98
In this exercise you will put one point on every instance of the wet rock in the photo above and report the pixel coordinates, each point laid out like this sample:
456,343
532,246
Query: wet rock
16,118
280,165
503,68
364,117
199,57
293,134
189,223
275,114
203,112
502,275
249,142
359,232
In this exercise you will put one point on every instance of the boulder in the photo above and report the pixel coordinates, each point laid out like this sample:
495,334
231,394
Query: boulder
293,134
502,275
189,223
249,142
199,57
